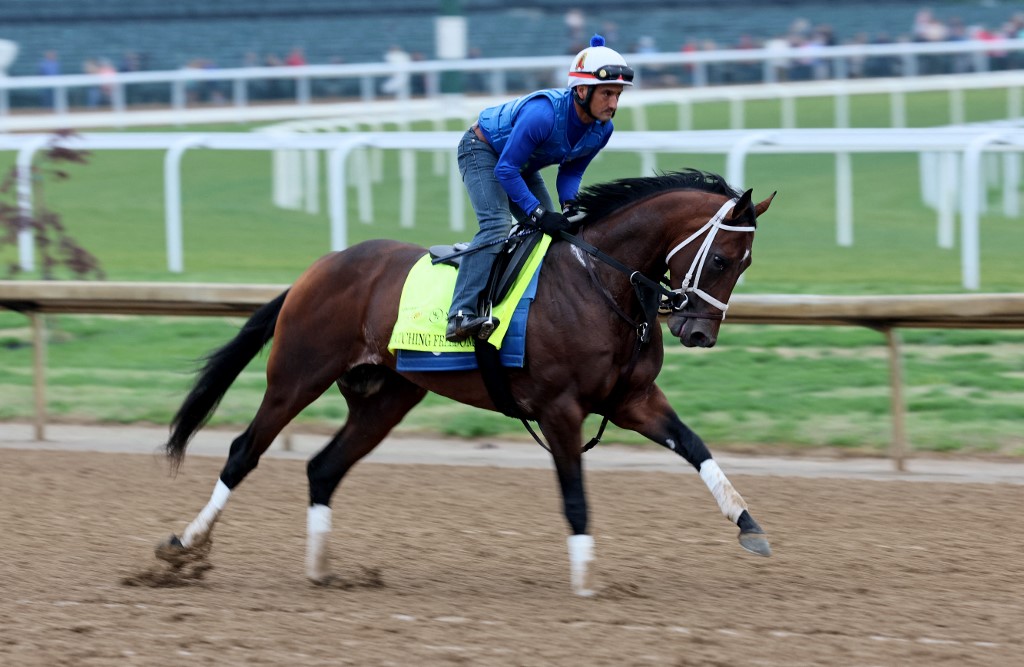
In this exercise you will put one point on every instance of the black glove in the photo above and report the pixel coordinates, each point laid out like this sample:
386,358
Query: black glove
550,222
574,215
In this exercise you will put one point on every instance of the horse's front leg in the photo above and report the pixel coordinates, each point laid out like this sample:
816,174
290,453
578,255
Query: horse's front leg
650,414
563,435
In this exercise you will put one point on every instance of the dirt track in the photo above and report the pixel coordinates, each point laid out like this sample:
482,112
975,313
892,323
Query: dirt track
445,565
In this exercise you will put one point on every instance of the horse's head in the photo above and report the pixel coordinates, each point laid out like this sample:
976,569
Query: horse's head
705,263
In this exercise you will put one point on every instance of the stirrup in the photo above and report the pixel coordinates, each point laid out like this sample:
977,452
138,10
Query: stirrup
488,327
462,327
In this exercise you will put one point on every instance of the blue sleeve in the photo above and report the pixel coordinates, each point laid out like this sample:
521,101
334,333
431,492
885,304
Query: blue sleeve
570,174
532,128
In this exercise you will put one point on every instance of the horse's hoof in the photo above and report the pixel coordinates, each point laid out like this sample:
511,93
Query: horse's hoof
170,549
322,580
755,543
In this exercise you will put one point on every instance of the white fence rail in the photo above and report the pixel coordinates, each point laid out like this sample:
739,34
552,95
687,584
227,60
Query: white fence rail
968,143
638,99
826,62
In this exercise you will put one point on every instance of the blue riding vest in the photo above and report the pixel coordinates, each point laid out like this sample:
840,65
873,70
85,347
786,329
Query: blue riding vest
497,123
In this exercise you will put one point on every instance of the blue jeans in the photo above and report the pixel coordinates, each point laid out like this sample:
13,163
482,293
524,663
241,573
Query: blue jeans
494,211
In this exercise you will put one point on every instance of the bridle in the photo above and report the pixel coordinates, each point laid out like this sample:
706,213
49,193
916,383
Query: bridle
657,299
680,297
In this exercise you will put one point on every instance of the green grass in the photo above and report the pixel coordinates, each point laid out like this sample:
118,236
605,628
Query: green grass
785,386
762,385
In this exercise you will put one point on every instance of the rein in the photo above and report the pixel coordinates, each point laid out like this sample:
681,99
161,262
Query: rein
653,296
648,292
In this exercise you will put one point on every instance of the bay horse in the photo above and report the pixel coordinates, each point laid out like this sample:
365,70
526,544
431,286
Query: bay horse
589,349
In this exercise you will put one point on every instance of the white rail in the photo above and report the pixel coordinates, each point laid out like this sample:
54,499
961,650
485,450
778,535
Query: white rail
969,142
771,61
638,99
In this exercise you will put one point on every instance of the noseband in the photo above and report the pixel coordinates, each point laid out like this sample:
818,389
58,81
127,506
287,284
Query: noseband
680,298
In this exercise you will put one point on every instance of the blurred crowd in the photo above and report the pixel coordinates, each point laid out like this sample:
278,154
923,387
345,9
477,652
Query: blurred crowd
804,36
808,38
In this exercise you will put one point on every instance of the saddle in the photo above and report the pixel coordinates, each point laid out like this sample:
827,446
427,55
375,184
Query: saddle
507,265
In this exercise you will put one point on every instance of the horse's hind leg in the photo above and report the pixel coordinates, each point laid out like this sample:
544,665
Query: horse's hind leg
378,398
285,398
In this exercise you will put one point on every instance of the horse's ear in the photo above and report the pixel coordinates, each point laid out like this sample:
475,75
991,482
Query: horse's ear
763,206
741,206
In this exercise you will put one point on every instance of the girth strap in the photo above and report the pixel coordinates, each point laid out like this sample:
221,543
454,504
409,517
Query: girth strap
495,377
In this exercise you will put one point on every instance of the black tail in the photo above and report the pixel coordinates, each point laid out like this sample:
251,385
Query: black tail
220,370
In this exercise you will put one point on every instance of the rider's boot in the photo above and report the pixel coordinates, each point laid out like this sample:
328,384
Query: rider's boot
461,327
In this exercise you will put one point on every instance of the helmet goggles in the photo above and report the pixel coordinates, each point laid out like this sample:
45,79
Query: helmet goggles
608,74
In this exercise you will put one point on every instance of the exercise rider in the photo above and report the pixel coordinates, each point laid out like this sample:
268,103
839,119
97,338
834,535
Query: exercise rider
500,158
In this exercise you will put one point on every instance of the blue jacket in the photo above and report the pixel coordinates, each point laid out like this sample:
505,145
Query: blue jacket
498,122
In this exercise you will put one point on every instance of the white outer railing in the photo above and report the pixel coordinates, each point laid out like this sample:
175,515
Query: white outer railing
495,70
637,100
968,142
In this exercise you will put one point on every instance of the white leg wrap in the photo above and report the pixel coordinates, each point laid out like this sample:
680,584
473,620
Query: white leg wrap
318,527
201,526
729,500
581,553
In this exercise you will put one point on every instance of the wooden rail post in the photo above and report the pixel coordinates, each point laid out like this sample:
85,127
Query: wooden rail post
898,449
39,372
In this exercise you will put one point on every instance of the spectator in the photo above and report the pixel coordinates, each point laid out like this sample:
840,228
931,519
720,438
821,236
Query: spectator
398,83
130,62
92,93
48,66
106,70
747,71
574,24
883,65
296,58
779,65
275,88
689,69
610,30
475,81
857,64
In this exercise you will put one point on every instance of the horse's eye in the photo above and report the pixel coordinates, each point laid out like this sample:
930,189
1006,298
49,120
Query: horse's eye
718,262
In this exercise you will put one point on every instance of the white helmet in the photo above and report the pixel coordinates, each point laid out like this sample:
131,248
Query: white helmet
598,64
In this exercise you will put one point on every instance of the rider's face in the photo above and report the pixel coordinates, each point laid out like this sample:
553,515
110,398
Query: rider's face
605,100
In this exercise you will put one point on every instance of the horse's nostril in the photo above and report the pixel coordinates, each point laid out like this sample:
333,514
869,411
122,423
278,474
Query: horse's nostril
697,339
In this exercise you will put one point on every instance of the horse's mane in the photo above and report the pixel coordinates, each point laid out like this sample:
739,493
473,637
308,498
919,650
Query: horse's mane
603,199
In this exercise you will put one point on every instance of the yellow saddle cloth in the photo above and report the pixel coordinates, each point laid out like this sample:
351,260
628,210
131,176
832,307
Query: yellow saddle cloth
427,295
